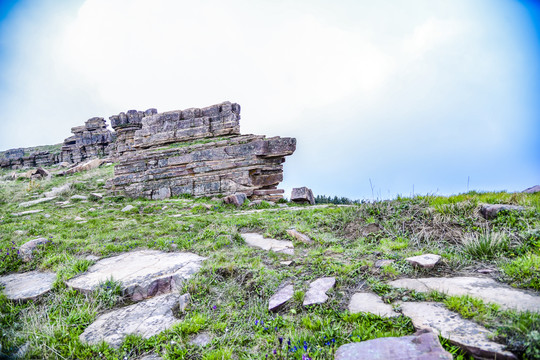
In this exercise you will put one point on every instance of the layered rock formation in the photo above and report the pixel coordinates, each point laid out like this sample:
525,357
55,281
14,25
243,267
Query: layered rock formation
29,157
201,152
125,125
88,141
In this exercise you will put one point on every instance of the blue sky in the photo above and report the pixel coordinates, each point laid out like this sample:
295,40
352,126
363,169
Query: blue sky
429,95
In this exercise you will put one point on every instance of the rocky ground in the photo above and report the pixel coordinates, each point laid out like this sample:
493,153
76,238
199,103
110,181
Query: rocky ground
89,276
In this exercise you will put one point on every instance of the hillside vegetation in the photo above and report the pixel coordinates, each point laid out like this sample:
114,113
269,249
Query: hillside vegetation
229,296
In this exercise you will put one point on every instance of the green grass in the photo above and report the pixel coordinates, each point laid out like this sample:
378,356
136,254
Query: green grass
230,294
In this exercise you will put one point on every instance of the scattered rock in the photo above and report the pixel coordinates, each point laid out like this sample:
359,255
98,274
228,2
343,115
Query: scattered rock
370,229
143,273
63,164
151,357
257,240
37,201
427,261
21,232
27,286
316,293
299,236
236,199
486,271
383,262
146,319
55,191
423,345
532,190
201,339
78,218
370,303
29,212
464,333
302,195
280,298
255,203
490,211
128,208
91,209
26,250
485,289
287,263
78,197
85,166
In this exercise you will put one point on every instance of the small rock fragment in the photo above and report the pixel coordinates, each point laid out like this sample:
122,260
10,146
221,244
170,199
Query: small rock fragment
96,196
237,199
55,191
35,202
383,262
427,261
257,240
316,293
201,339
128,208
29,212
299,236
280,298
26,250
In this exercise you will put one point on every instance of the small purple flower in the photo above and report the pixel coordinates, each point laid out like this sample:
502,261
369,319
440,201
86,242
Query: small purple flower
256,322
214,307
280,341
275,351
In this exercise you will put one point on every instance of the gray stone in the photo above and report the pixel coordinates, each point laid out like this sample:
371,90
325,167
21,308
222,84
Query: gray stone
201,339
287,263
27,286
302,195
146,319
257,240
299,236
423,345
370,303
78,218
485,289
426,261
79,197
316,293
55,191
128,208
490,211
532,190
29,212
37,201
280,298
151,357
463,333
20,232
143,273
383,262
27,249
235,199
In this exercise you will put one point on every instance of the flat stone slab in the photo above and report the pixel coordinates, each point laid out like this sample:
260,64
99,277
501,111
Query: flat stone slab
280,298
151,357
423,345
28,212
463,333
426,261
258,241
485,289
316,293
37,201
143,273
27,286
147,318
370,303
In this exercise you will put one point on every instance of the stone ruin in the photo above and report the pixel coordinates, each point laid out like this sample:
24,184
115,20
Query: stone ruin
193,151
91,140
199,152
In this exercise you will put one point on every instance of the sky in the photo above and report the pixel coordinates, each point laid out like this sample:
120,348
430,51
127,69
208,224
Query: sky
384,98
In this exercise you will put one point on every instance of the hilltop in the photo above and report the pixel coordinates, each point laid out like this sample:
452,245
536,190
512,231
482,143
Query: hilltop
230,292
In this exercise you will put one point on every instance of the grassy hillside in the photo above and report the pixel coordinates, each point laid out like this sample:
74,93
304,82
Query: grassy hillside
230,295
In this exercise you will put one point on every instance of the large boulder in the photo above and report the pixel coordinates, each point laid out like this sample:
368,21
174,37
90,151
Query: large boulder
490,211
302,195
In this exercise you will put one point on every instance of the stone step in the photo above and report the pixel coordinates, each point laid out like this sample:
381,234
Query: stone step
27,286
258,241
